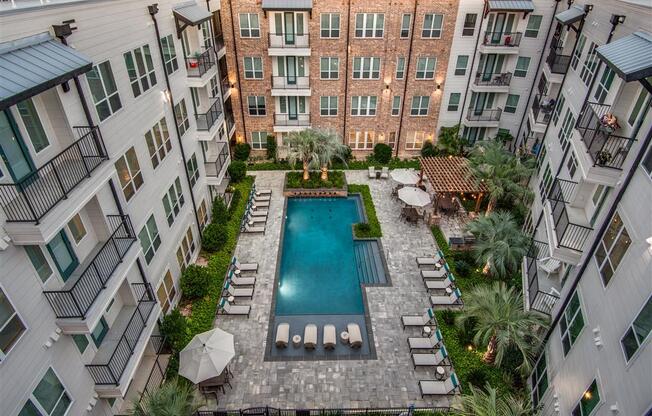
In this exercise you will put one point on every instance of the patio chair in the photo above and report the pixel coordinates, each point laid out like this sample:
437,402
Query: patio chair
384,173
282,335
372,172
245,267
454,298
310,336
261,191
431,261
436,274
245,292
240,281
330,337
449,281
355,336
261,213
226,308
425,343
246,228
429,359
439,388
260,198
255,221
549,265
427,318
259,204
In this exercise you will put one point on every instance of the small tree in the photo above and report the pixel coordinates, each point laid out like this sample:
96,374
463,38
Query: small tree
174,397
237,171
328,146
195,281
214,237
382,153
220,211
242,151
302,147
271,147
428,149
449,141
174,327
492,403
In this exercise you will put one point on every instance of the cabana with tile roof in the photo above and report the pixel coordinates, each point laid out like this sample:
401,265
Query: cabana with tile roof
450,175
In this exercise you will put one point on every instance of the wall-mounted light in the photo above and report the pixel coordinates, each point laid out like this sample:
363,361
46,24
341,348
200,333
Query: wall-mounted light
166,96
438,86
386,86
233,85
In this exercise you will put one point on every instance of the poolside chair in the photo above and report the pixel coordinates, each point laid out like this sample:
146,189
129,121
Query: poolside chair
255,220
425,343
261,191
258,213
454,298
282,335
439,388
310,336
427,318
259,198
226,308
372,172
431,261
429,359
330,337
245,292
436,274
549,265
240,281
440,284
355,336
245,267
259,204
252,229
385,173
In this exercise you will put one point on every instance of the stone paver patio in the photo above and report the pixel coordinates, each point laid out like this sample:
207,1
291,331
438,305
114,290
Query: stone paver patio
388,381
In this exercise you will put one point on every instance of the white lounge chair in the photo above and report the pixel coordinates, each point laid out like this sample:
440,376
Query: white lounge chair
439,388
253,229
549,265
282,335
372,172
260,204
257,221
260,198
436,274
261,191
240,281
429,359
454,298
244,267
226,308
385,173
431,261
246,292
440,284
330,337
310,336
428,317
258,214
355,336
425,343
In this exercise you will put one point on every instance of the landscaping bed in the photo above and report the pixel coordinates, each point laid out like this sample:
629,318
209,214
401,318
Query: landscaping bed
370,229
314,187
351,165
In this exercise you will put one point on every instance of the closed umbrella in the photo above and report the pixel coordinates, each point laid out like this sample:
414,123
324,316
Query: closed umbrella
414,196
404,176
207,355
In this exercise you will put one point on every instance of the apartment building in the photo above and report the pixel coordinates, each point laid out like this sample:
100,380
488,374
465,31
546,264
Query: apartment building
590,264
372,72
113,137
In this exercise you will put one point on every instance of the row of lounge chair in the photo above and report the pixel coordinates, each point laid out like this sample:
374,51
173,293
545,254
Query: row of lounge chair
237,286
439,280
255,217
329,338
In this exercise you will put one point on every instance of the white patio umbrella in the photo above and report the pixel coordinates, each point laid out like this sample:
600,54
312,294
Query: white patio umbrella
404,176
414,196
207,355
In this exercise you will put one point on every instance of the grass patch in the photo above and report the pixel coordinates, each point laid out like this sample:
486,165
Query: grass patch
351,165
370,229
294,180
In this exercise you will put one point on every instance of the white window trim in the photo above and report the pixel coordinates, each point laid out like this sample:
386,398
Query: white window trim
441,29
402,70
106,97
157,124
608,251
139,77
434,68
372,61
391,109
330,59
256,97
181,201
262,67
419,108
36,382
364,25
600,391
337,106
368,108
561,334
4,354
249,14
629,326
330,28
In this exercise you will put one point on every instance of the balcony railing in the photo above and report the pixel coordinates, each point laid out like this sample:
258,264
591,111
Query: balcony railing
542,108
605,147
229,121
75,301
110,372
199,64
218,41
292,119
290,82
475,114
215,164
206,120
226,86
557,62
569,235
539,301
499,79
34,196
289,40
502,38
157,374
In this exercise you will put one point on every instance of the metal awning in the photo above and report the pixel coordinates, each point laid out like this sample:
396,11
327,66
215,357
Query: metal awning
511,5
31,65
302,5
191,13
630,56
571,15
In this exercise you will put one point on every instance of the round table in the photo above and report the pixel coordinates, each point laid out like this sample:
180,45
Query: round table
251,223
440,373
253,206
437,266
426,331
231,299
449,290
296,340
344,336
237,272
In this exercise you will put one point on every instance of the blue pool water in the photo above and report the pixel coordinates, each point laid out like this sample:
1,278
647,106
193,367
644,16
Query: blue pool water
318,272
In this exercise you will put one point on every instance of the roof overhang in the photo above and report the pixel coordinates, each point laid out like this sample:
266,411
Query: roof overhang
189,14
31,65
630,57
511,6
571,15
289,5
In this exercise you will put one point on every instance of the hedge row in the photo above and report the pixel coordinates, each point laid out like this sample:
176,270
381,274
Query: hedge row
294,180
352,165
373,229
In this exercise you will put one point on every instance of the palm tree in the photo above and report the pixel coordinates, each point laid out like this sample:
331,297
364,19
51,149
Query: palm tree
500,322
329,147
491,403
173,398
500,243
303,147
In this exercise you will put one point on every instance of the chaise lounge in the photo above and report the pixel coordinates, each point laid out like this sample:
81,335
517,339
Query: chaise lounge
238,293
240,281
440,284
282,335
428,317
431,261
425,343
439,388
310,336
330,337
454,298
244,267
429,359
435,274
355,336
226,308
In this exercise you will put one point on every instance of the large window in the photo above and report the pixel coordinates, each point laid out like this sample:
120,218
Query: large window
571,323
259,139
461,64
363,105
406,21
104,90
571,165
328,105
369,25
415,140
128,168
181,116
400,67
253,67
77,228
192,169
512,103
612,248
638,332
646,163
432,24
11,326
522,64
589,400
39,262
604,85
469,24
533,25
202,213
426,68
149,238
539,379
329,68
48,398
577,53
366,68
566,129
33,124
396,105
169,54
362,140
330,25
590,64
185,250
256,105
173,201
557,111
249,25
166,292
420,105
140,69
158,142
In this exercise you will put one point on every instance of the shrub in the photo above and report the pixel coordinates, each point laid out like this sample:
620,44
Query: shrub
235,200
271,147
220,211
462,267
294,180
214,237
428,149
363,227
195,281
374,230
241,151
382,153
477,377
349,155
448,317
174,326
237,171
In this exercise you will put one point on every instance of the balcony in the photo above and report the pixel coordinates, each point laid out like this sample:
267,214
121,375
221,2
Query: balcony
542,109
558,63
230,123
201,67
218,41
290,122
568,224
284,44
216,163
290,86
484,117
509,39
537,298
226,87
492,82
208,122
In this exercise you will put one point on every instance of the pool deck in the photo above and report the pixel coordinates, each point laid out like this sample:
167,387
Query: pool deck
388,381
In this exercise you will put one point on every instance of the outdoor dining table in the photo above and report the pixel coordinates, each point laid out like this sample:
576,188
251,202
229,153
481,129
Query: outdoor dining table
216,382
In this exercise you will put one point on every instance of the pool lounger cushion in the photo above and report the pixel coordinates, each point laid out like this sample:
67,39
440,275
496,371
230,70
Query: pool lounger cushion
429,359
254,229
261,198
255,214
282,335
434,274
228,309
245,267
263,191
452,299
310,336
243,281
424,343
418,320
439,284
438,388
256,220
239,293
260,204
330,336
355,337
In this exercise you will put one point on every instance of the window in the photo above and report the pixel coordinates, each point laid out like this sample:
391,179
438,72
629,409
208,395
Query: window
140,69
253,67
362,140
173,201
128,168
369,25
11,326
577,54
522,64
461,64
566,129
400,67
149,238
454,101
249,25
39,262
571,165
511,103
590,64
181,116
396,105
158,142
193,170
104,90
541,157
256,104
469,24
294,102
63,255
185,250
214,87
539,379
330,25
166,292
406,19
571,323
420,105
259,139
473,134
202,213
637,333
432,25
604,85
557,111
81,341
533,25
646,163
415,140
638,105
329,68
48,398
77,229
612,248
99,332
33,124
426,68
169,54
328,105
391,140
363,105
366,68
194,95
546,181
588,402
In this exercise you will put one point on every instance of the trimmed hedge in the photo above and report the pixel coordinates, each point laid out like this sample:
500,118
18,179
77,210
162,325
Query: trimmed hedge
351,165
294,180
237,171
372,229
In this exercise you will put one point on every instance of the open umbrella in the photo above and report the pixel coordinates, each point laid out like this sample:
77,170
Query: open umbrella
414,196
404,176
207,355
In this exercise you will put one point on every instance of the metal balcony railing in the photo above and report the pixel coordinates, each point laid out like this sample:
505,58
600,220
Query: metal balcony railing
157,374
290,82
498,79
215,164
569,235
218,41
31,198
110,372
542,108
289,40
229,121
226,86
538,300
502,38
597,130
200,63
475,114
206,120
292,119
75,301
557,62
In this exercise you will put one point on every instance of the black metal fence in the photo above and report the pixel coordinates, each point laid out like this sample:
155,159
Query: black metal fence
214,167
206,120
199,64
498,79
475,114
157,374
557,62
502,38
542,106
270,411
569,235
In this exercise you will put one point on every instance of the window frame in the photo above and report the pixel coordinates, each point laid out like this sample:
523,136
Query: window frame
36,403
466,28
134,172
406,32
569,322
258,110
171,63
140,81
432,29
158,145
368,109
362,139
531,29
330,28
461,71
153,236
77,228
400,67
30,251
630,327
106,98
457,105
173,201
423,74
329,107
250,28
536,378
261,144
186,249
181,117
515,106
419,111
413,143
520,72
647,157
608,251
362,33
16,339
330,60
192,169
578,403
369,68
396,109
253,72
